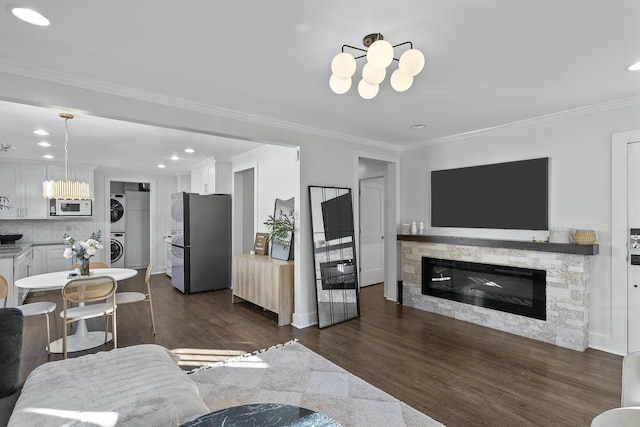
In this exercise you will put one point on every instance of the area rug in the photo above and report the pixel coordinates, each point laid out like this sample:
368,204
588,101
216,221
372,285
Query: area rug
294,375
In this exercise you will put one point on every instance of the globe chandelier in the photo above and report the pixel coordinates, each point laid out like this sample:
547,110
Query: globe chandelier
66,190
380,54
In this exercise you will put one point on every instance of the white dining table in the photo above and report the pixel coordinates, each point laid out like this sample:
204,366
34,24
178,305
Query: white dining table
82,339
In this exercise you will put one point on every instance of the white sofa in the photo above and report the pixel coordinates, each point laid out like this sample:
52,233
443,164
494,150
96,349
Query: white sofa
628,415
137,386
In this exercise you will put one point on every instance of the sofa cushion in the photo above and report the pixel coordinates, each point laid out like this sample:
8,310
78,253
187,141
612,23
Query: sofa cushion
138,385
11,323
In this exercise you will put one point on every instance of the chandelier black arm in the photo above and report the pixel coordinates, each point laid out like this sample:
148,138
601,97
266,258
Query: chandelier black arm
365,51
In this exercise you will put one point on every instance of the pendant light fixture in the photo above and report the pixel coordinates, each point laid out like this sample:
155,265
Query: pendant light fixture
66,190
380,54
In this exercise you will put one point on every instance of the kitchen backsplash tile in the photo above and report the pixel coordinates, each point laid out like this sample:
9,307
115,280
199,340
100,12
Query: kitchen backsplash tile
45,231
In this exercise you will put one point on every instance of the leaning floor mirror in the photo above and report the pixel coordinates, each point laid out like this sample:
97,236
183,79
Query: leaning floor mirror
334,254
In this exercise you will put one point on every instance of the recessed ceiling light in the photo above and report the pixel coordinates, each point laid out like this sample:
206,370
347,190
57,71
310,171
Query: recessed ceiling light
41,132
48,156
418,126
30,16
189,150
44,144
634,67
161,166
174,157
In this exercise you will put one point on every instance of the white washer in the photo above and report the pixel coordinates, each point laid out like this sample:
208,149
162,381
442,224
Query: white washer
117,250
118,204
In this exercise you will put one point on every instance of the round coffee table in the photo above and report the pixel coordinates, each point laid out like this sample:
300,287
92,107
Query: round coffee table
263,414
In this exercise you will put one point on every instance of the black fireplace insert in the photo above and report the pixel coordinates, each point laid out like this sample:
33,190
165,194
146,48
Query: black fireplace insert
514,290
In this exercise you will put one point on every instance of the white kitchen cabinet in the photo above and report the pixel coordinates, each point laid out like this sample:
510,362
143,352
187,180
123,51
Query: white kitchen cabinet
55,259
167,256
211,177
34,205
39,260
49,258
21,192
14,269
21,268
136,252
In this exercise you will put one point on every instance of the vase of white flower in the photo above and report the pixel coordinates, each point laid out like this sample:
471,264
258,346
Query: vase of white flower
83,250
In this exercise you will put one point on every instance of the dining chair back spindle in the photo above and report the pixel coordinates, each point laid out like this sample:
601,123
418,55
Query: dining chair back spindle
131,297
89,289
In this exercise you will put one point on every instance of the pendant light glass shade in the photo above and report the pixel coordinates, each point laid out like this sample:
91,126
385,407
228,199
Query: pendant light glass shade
66,190
400,81
411,62
366,90
343,65
339,86
373,75
380,54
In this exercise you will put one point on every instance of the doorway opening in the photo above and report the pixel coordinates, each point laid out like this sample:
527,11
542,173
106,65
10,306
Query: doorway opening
244,226
377,216
131,221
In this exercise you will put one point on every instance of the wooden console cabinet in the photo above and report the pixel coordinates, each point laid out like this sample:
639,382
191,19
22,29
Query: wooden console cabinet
266,282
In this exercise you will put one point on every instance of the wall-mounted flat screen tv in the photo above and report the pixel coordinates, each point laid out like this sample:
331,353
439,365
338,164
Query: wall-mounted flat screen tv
512,195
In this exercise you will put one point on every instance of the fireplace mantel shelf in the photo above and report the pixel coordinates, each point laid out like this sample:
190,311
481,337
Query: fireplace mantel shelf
565,248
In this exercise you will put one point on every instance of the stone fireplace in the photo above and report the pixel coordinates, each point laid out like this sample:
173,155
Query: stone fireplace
510,289
566,268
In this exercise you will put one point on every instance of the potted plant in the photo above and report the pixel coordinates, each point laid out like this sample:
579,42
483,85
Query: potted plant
280,229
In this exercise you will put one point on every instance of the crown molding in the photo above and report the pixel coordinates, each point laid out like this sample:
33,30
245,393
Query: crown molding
169,101
562,115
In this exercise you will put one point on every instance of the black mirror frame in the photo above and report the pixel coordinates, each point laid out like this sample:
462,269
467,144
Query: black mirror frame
348,280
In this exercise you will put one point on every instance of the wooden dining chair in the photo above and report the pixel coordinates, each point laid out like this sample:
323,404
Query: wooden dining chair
130,297
84,290
34,309
4,290
97,264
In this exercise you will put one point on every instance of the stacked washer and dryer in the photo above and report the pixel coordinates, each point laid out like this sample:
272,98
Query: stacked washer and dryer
117,230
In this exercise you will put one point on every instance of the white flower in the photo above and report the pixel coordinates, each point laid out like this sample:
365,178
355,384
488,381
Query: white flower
82,249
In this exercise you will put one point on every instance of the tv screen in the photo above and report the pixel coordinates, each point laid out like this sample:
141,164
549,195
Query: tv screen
337,216
512,195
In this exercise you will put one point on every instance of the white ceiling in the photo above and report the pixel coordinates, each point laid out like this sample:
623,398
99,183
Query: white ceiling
488,63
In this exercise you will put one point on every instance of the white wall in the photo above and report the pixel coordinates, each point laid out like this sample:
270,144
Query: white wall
276,175
579,149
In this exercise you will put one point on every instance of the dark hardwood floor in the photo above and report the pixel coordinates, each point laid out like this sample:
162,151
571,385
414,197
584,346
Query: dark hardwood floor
456,372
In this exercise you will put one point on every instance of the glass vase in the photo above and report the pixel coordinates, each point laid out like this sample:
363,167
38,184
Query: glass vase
84,267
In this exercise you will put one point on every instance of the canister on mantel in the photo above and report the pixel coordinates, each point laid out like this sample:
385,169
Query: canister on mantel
559,235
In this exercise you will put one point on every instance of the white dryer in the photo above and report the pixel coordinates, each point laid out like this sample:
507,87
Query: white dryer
117,250
118,204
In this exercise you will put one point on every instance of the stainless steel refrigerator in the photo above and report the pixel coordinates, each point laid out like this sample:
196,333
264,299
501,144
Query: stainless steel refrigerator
200,242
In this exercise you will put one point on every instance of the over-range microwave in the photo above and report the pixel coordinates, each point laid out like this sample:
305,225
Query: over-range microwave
70,208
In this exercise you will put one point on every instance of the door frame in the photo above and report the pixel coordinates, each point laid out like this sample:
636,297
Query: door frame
153,188
392,215
619,240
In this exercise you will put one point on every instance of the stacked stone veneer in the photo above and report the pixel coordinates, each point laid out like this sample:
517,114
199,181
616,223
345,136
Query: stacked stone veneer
568,277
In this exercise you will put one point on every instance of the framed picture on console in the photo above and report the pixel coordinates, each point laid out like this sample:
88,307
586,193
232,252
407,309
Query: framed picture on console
261,246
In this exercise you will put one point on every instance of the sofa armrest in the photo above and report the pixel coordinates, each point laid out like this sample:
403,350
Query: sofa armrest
631,380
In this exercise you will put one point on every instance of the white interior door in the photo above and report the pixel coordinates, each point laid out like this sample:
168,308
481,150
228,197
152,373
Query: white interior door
633,258
371,232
